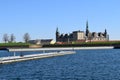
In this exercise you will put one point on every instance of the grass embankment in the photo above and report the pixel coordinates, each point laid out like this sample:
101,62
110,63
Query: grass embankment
74,44
14,45
86,44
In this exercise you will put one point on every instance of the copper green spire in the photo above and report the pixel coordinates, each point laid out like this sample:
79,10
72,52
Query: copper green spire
87,30
57,34
105,31
87,25
57,29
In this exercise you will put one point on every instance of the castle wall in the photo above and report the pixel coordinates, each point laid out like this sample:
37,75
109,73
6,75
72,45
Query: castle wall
82,36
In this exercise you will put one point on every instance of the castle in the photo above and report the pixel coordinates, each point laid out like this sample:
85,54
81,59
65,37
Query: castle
81,36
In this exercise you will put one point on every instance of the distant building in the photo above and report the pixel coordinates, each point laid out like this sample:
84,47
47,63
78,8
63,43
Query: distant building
94,36
82,36
42,41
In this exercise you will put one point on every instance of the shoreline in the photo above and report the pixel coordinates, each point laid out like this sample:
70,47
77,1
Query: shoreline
60,48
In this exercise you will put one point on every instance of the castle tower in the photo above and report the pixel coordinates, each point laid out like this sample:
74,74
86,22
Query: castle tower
57,34
87,30
105,33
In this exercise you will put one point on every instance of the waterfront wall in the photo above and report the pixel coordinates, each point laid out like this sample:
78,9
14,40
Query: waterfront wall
62,48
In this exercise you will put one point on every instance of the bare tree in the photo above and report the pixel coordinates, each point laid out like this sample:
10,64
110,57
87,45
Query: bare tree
26,37
12,38
5,38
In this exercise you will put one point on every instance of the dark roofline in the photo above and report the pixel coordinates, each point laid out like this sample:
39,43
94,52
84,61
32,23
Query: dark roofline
77,31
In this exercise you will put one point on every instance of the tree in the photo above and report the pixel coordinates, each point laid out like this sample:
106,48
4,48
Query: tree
26,37
12,38
5,38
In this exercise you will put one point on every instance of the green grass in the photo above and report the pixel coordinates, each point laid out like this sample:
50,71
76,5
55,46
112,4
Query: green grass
14,45
99,43
85,44
73,44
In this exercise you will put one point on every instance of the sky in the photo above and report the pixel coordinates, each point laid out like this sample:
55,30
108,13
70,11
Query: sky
40,18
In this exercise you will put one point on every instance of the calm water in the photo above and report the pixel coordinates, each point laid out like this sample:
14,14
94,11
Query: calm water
84,65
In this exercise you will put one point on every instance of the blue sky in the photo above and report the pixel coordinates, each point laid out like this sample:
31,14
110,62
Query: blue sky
41,17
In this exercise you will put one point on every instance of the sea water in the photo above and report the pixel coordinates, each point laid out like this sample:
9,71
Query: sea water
102,64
